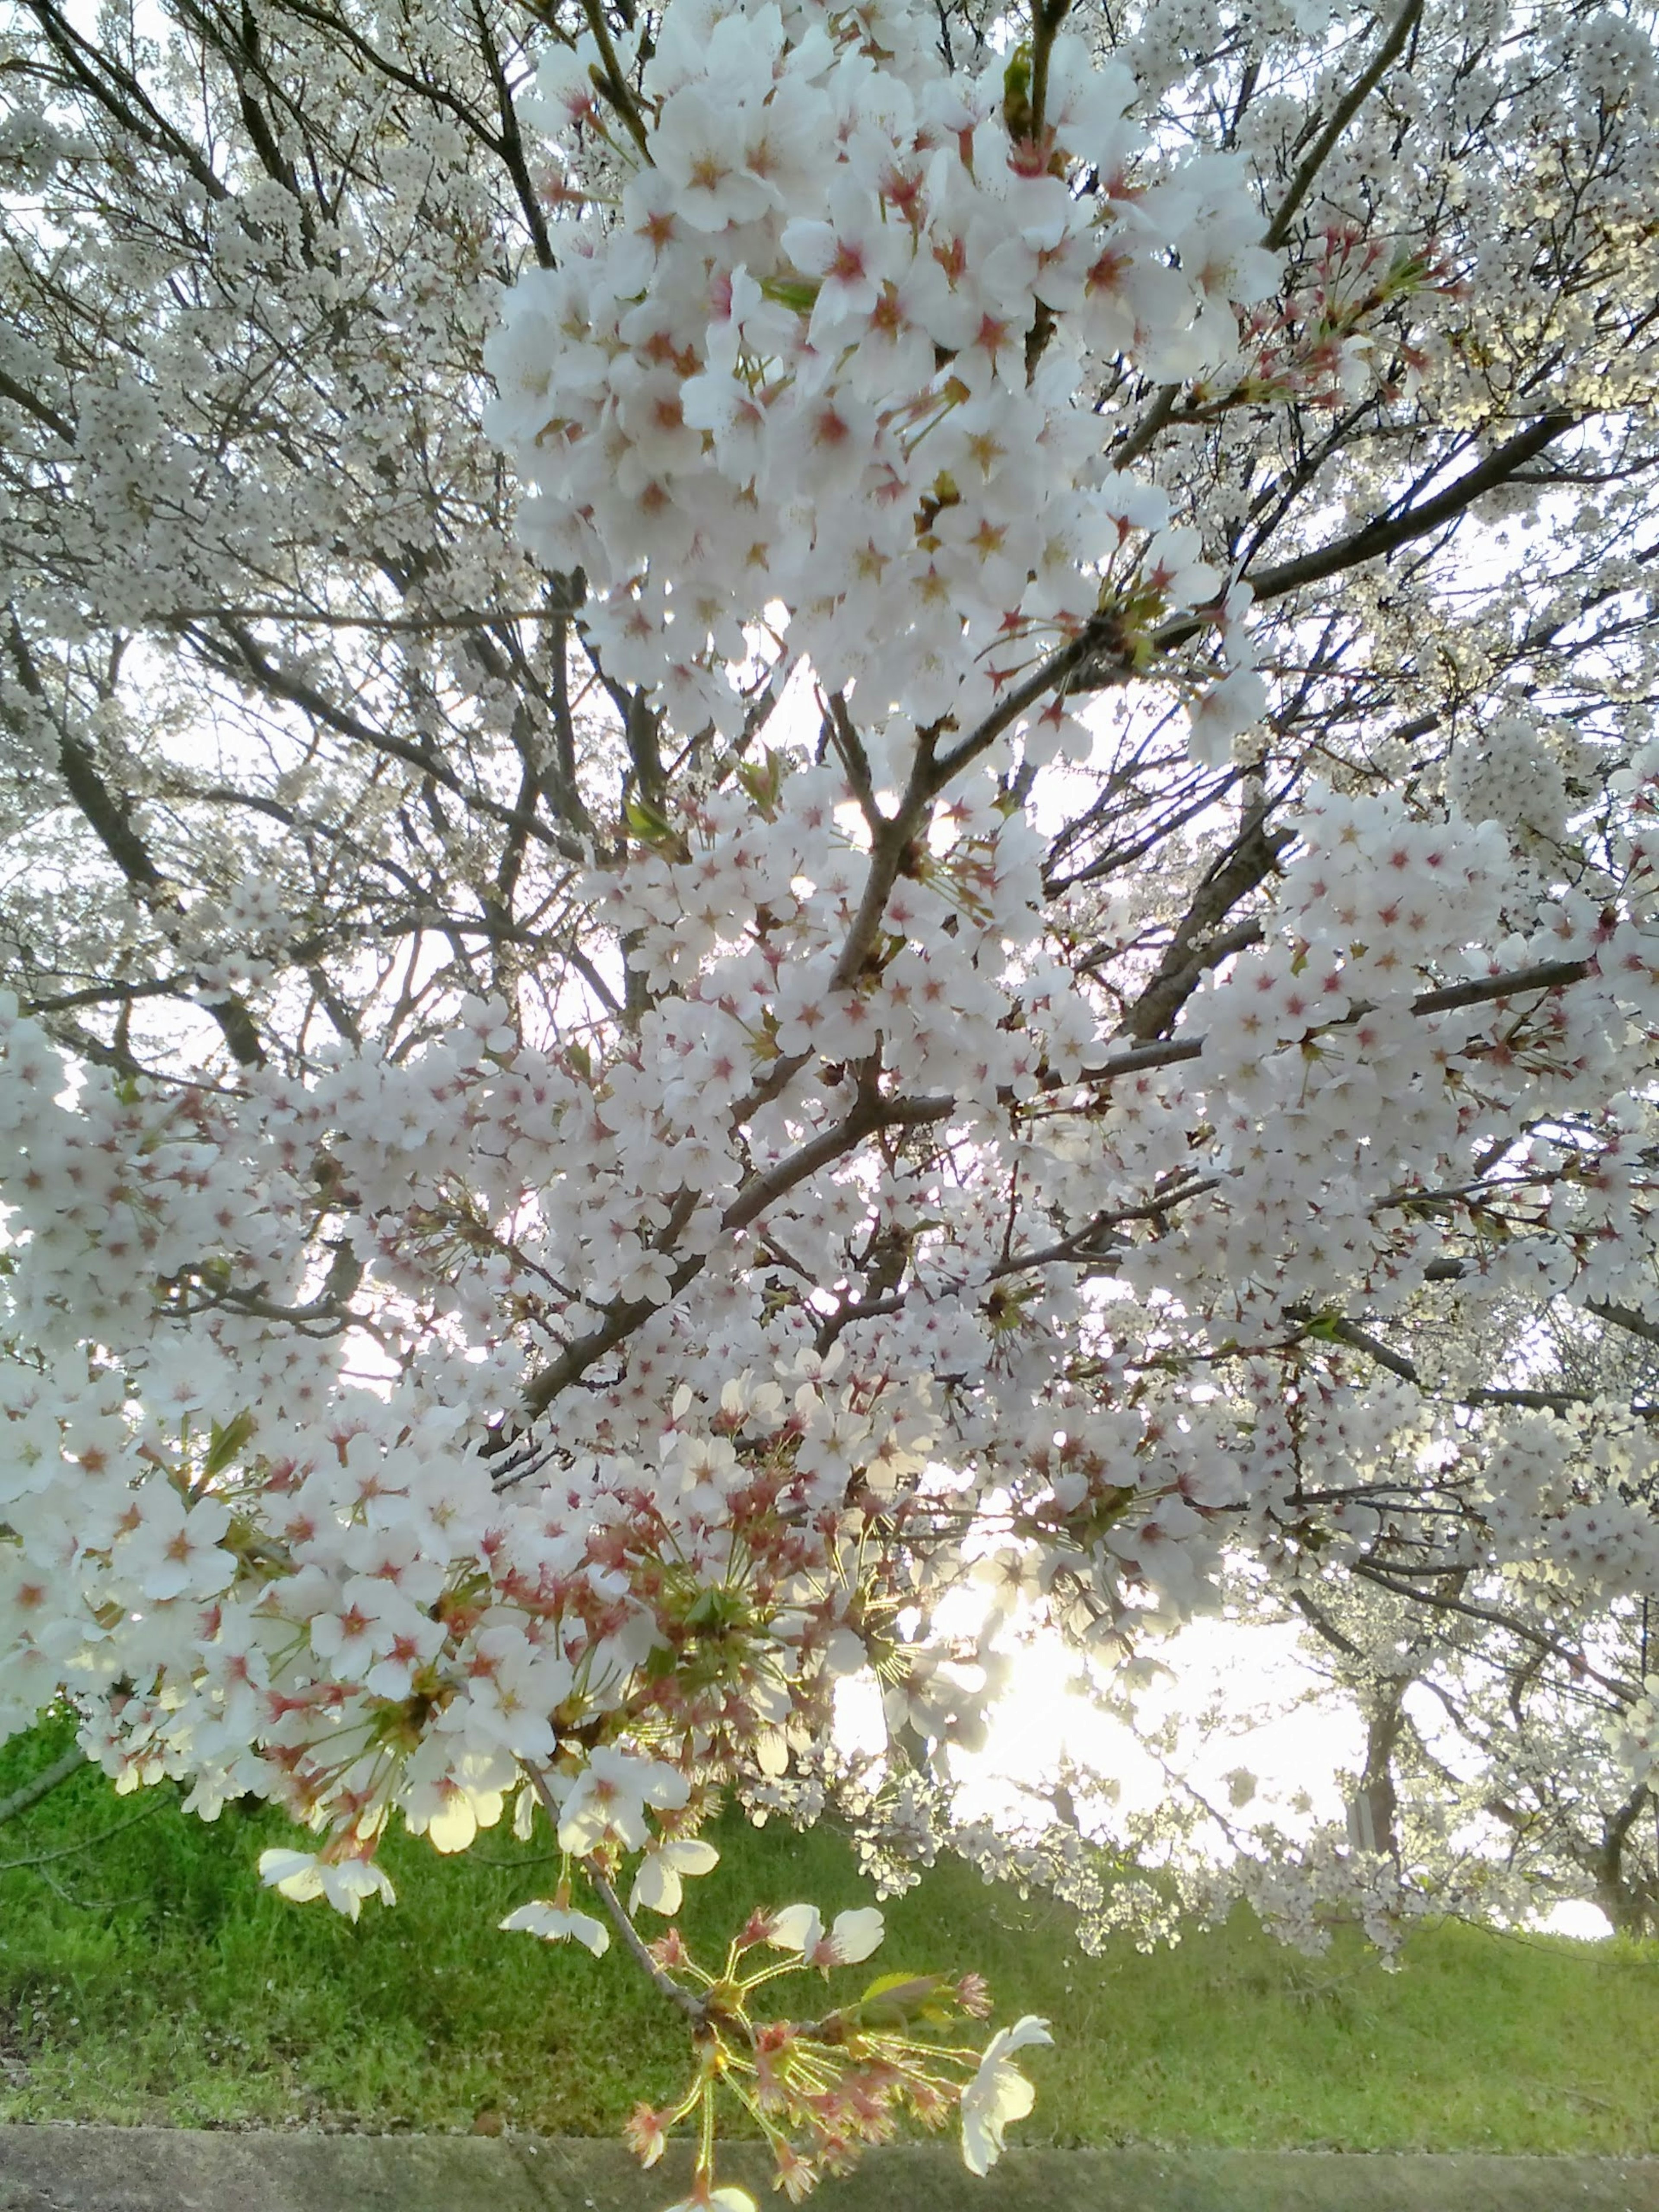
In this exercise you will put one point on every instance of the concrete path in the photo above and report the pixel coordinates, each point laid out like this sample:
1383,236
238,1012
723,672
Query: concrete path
70,2169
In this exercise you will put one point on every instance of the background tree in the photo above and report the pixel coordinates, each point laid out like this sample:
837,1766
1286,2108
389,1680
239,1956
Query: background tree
1498,1756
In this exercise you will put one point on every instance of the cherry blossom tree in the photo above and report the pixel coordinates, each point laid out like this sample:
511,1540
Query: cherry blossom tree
1509,1745
805,806
1501,1773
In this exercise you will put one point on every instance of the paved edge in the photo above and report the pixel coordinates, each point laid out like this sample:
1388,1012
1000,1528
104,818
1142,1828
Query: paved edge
99,2169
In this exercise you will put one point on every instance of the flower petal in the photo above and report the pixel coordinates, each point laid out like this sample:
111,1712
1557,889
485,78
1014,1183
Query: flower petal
291,1874
857,1934
796,1928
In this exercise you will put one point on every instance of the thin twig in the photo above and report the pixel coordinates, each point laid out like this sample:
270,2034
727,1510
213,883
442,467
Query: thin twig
687,2000
1550,976
615,84
1302,184
38,1859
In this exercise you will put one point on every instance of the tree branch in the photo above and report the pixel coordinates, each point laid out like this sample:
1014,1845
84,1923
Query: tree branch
1388,533
688,2000
1350,104
109,815
693,2007
42,1784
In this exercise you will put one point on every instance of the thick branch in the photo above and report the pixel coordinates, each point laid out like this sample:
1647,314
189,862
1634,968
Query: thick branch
1389,532
1097,660
873,1112
1252,857
20,396
42,1784
118,91
109,815
756,1194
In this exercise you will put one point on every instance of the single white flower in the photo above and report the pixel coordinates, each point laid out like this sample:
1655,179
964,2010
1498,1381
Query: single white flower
854,1936
999,2093
657,1884
607,1804
556,1924
346,1883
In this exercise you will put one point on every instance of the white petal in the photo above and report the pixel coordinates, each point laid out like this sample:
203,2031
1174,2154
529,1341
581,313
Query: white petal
453,1828
663,1786
857,1934
531,1920
796,1928
656,1885
690,1855
979,2152
583,1928
291,1874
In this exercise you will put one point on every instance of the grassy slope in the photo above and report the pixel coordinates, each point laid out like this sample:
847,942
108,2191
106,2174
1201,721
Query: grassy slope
172,1989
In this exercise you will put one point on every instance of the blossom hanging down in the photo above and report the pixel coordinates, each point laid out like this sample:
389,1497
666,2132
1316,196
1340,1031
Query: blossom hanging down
345,1881
553,1920
999,2093
831,353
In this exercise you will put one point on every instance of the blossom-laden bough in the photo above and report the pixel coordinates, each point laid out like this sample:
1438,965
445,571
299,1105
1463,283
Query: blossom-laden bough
960,899
821,2089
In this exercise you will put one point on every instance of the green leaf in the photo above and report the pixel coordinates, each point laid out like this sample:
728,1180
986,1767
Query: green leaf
763,781
883,1982
798,294
1017,92
895,1999
649,823
225,1443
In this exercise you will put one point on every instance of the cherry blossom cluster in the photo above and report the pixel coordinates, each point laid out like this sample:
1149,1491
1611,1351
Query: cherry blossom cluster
819,2089
326,1594
1509,773
811,376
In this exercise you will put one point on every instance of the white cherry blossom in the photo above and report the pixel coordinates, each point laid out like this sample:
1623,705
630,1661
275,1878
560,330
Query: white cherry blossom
558,1923
854,1935
608,1802
999,2093
658,1883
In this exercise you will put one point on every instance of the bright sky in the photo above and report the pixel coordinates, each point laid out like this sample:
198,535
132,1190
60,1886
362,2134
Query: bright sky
1224,1676
1049,1718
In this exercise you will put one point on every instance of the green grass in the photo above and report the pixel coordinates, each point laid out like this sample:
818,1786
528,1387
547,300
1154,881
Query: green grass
157,1981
